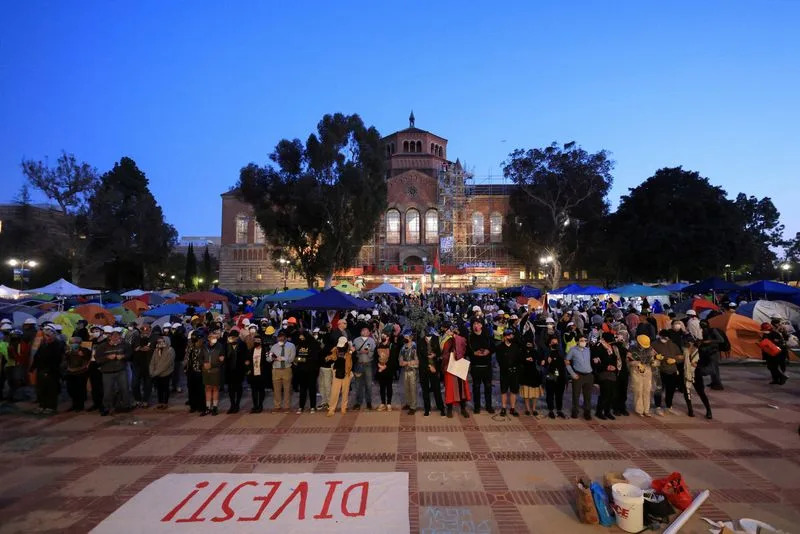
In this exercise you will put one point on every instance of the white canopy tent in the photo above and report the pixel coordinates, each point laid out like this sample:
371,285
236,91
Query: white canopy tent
62,288
386,289
9,292
134,293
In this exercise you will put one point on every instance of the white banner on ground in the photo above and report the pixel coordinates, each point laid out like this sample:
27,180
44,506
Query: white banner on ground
260,502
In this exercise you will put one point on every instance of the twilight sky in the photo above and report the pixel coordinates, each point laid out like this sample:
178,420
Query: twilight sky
194,90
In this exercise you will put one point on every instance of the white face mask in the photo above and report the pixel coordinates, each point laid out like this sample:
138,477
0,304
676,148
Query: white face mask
281,343
582,343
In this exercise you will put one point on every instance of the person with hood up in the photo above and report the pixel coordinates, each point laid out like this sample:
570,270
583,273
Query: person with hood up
640,363
142,347
47,364
607,361
257,370
342,358
306,368
670,363
693,325
213,357
509,360
162,364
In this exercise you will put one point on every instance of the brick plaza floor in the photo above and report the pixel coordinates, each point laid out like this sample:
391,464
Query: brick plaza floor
66,473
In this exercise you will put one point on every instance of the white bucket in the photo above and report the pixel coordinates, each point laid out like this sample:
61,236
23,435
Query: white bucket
628,506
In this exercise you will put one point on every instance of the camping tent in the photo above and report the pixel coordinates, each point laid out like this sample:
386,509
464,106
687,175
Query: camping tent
743,334
232,297
386,289
696,304
62,288
176,308
346,287
762,311
710,284
771,290
289,295
9,292
331,299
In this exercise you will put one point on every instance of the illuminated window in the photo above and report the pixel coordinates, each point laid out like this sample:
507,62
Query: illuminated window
241,229
258,234
431,227
477,228
393,227
496,227
412,226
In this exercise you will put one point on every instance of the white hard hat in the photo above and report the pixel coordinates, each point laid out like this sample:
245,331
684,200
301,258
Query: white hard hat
108,329
176,325
29,320
342,342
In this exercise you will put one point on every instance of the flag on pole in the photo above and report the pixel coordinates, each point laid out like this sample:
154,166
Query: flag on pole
436,267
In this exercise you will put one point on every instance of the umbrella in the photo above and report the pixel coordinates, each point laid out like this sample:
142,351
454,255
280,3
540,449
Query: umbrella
331,299
346,287
134,293
62,288
386,289
96,314
123,315
134,305
203,298
161,321
176,308
19,317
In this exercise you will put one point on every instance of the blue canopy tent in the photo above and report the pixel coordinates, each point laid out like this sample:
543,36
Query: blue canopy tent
331,299
572,289
593,291
711,285
771,290
176,308
637,290
524,291
386,289
290,295
674,288
232,297
483,291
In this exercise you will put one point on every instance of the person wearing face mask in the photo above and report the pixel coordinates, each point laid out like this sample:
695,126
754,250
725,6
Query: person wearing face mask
607,362
672,360
306,367
430,375
235,355
385,372
96,339
256,369
282,355
454,346
162,365
364,347
342,358
213,357
193,365
509,360
480,356
555,379
112,357
47,364
579,363
620,396
409,362
143,347
531,377
693,365
641,359
76,367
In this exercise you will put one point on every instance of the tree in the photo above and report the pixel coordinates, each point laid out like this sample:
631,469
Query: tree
70,185
676,224
190,271
128,232
319,203
560,195
208,267
764,232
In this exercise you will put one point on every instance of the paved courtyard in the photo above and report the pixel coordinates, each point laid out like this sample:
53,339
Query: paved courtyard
477,475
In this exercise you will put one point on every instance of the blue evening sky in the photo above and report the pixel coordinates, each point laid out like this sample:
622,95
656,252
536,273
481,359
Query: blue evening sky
194,90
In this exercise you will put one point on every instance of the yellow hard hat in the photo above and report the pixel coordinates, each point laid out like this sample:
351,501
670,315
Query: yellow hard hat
270,330
644,341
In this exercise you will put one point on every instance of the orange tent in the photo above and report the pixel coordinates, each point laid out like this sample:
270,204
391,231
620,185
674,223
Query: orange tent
663,321
95,314
743,334
135,305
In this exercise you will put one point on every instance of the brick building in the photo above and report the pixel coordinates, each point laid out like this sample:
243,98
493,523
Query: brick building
433,208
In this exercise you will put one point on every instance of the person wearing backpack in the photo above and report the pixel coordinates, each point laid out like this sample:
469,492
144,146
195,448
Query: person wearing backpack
710,350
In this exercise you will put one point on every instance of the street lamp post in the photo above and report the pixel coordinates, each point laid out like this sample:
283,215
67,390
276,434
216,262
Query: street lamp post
23,265
285,267
786,267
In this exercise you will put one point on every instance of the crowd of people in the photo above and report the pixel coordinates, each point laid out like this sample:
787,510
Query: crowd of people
311,364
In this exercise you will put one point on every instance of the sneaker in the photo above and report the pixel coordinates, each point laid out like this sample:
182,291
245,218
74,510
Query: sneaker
535,413
427,413
299,411
599,416
356,407
610,417
476,411
671,411
214,410
660,412
38,411
313,411
646,414
369,407
205,412
443,413
574,415
561,415
502,412
551,415
527,412
464,413
404,407
388,407
381,407
254,409
708,415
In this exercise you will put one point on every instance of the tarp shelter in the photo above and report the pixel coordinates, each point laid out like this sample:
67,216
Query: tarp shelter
708,285
674,288
232,297
19,317
762,311
167,294
62,288
331,299
524,291
743,334
289,295
483,291
386,289
770,290
572,289
346,287
696,304
95,314
9,292
134,293
638,290
176,308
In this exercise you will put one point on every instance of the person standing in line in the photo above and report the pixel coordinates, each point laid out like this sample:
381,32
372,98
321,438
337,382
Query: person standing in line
178,341
430,373
282,355
194,372
364,347
385,373
693,372
578,363
409,362
607,362
306,365
162,365
456,390
555,379
76,363
111,357
342,358
142,348
480,356
235,356
213,357
509,360
668,368
531,377
96,337
256,371
47,364
641,360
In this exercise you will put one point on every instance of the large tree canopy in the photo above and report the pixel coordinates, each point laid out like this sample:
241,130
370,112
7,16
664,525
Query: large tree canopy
677,225
319,203
557,205
764,231
129,235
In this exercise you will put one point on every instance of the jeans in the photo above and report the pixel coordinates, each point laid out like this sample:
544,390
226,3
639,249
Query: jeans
76,387
117,380
606,398
325,380
162,387
96,381
363,384
481,375
582,385
410,387
142,384
671,383
385,382
621,391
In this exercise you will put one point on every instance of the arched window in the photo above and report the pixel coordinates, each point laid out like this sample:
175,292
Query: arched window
405,146
477,228
393,148
431,227
412,226
419,146
433,148
393,227
441,152
496,227
241,229
259,237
